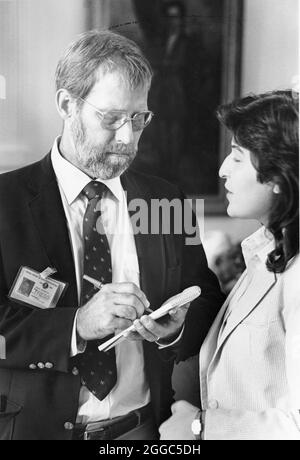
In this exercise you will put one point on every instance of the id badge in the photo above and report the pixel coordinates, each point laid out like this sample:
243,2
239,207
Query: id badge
36,289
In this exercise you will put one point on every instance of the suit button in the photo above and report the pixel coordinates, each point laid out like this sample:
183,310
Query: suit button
48,365
32,366
75,371
213,404
68,426
41,365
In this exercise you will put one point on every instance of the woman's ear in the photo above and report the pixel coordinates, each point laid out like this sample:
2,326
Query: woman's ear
65,103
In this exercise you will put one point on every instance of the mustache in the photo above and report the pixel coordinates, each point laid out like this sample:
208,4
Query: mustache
121,148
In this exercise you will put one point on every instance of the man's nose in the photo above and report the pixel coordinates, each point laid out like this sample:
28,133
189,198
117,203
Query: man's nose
125,133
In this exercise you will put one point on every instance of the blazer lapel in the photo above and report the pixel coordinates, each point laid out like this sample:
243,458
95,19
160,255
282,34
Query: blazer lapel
216,338
50,221
209,345
248,303
150,247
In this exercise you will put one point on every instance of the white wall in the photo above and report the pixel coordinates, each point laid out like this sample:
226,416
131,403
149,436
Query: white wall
33,34
270,51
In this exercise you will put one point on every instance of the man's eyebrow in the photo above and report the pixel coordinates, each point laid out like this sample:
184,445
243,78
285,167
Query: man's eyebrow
234,146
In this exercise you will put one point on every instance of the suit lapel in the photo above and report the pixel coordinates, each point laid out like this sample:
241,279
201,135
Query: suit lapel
248,303
215,339
209,346
150,248
153,265
49,218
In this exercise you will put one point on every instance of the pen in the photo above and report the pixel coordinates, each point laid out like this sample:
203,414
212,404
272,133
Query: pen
96,283
99,285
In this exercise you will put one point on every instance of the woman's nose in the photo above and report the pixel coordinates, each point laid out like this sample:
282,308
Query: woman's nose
224,170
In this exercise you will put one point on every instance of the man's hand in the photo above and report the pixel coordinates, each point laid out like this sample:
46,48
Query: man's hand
164,329
112,309
178,427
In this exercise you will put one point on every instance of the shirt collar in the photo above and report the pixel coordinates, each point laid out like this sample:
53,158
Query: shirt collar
72,180
258,245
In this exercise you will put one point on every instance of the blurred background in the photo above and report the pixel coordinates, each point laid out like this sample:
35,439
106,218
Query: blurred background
264,56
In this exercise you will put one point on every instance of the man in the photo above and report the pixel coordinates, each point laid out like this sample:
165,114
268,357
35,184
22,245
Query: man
65,388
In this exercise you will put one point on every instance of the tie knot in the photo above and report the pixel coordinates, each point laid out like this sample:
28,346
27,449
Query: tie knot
94,189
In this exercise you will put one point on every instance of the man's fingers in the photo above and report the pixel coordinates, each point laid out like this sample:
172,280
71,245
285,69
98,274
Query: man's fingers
121,323
130,288
124,311
182,309
152,326
135,336
130,300
145,332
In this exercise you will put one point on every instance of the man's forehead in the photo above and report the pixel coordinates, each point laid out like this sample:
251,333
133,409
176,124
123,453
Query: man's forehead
113,90
120,77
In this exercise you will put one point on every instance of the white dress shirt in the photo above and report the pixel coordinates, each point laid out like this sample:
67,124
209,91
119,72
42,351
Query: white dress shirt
131,390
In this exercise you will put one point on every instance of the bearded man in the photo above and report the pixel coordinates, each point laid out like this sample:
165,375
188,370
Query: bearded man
59,222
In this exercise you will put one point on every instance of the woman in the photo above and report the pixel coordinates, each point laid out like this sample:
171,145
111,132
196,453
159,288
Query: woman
250,360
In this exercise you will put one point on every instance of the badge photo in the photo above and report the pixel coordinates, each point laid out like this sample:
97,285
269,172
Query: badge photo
36,289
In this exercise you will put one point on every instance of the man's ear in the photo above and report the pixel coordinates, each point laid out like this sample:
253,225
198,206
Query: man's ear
65,103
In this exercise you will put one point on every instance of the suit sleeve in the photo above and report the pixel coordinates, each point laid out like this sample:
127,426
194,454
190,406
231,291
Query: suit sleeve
32,335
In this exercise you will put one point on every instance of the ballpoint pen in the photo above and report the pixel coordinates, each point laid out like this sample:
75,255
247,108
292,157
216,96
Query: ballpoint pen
99,285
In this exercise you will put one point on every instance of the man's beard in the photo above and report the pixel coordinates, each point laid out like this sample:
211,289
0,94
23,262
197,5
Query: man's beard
100,161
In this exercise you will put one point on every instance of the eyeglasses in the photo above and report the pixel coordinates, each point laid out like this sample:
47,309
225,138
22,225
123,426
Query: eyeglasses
115,119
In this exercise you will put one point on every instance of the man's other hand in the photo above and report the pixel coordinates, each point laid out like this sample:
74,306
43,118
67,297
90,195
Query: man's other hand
165,330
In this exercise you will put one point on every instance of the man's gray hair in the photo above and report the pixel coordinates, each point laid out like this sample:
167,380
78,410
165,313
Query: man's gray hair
77,70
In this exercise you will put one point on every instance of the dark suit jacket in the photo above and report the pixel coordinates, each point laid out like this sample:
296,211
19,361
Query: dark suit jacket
33,233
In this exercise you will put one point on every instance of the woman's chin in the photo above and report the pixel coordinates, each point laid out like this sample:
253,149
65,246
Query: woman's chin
232,212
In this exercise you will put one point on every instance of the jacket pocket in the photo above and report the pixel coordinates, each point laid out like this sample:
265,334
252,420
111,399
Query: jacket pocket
7,420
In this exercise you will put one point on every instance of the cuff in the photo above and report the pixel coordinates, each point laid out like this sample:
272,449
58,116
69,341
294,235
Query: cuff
161,346
78,345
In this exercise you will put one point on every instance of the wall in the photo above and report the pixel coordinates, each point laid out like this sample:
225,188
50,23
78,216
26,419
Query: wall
270,52
33,34
270,61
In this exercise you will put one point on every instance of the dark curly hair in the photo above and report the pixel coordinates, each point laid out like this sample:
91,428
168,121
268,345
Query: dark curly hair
268,126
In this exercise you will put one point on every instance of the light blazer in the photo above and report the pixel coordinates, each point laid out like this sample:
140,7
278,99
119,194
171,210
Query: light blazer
33,232
250,367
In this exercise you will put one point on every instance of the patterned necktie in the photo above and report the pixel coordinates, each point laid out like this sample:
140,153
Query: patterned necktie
97,369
